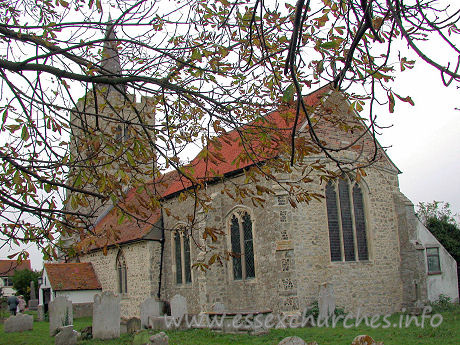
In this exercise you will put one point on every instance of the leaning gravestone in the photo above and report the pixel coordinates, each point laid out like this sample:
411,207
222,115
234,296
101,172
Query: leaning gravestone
150,307
66,336
106,316
19,323
326,301
178,306
60,314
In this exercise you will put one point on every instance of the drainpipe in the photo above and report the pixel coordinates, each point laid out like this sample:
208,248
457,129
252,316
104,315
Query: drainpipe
162,243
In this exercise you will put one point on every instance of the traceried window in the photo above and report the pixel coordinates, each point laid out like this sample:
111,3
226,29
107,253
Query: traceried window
181,251
242,245
122,273
346,220
432,257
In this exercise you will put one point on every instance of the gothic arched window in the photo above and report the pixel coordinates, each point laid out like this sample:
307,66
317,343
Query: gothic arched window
122,273
346,220
181,253
242,245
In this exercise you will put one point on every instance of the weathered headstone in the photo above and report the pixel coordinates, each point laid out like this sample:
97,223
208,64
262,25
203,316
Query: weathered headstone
326,301
150,307
292,341
33,301
218,307
159,339
60,314
106,316
66,336
178,306
19,323
133,325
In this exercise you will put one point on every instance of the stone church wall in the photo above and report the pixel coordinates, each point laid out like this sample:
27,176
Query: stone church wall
142,261
291,253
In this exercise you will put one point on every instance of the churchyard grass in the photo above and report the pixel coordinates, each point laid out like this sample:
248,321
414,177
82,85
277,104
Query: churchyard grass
448,333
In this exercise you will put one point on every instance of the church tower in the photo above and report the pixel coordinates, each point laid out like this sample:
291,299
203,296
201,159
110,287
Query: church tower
112,146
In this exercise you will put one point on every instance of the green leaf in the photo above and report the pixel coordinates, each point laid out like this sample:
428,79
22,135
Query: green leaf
196,55
5,116
25,133
288,94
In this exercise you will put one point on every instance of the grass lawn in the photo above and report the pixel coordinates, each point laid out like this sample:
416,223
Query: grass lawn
448,333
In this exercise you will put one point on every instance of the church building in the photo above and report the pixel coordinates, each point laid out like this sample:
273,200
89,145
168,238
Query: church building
360,234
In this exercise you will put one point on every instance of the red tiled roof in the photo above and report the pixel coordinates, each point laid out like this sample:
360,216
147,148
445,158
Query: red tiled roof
109,231
227,153
72,276
8,267
242,148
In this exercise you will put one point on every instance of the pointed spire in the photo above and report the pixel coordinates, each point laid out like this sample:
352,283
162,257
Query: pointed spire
110,59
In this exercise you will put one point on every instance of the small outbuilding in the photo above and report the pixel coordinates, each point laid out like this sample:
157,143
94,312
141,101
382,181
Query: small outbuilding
7,269
75,281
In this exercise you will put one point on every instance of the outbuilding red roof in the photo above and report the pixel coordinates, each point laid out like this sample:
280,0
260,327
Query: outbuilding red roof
8,267
72,276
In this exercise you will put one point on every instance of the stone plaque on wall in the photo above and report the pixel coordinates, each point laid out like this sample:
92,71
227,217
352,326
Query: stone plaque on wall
284,245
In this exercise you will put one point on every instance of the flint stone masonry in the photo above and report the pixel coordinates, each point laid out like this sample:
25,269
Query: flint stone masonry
19,323
106,316
326,301
292,341
159,339
218,307
150,307
178,306
142,262
60,314
66,336
377,285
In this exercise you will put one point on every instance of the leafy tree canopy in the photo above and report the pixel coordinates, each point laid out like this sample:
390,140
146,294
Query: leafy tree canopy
438,218
21,282
200,68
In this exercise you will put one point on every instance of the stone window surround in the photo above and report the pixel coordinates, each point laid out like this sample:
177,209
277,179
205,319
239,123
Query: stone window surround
365,195
122,274
228,217
433,246
181,229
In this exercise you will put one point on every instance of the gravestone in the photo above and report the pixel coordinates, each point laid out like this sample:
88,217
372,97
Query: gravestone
178,306
33,295
60,314
106,316
66,336
33,301
218,307
19,323
133,325
159,339
326,301
292,341
150,307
